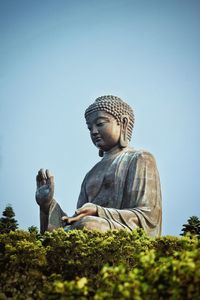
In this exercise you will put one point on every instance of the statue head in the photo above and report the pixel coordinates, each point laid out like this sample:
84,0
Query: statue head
119,111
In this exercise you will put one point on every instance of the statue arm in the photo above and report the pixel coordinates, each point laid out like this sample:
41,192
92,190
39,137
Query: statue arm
51,219
141,203
50,211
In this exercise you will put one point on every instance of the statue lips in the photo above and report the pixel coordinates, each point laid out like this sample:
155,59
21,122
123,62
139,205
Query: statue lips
97,140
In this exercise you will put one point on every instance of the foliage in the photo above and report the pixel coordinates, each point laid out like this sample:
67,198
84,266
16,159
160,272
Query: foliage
93,265
192,226
35,232
8,222
32,229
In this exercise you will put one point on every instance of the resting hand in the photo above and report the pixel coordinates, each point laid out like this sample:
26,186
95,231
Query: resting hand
45,189
87,209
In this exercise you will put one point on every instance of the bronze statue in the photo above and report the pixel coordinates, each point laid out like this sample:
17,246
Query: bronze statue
122,191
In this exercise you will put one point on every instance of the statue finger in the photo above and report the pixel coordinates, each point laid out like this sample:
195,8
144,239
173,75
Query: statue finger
42,176
84,208
48,174
75,219
77,212
50,177
80,211
65,219
38,181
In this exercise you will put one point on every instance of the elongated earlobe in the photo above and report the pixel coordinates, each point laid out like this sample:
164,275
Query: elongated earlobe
123,141
101,153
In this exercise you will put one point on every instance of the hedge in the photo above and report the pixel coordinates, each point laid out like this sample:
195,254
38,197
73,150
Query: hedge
93,265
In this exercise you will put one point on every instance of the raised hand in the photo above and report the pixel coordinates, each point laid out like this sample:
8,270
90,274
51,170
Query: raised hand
45,189
88,209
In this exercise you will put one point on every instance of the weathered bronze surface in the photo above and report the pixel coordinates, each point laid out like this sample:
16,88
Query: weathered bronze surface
122,191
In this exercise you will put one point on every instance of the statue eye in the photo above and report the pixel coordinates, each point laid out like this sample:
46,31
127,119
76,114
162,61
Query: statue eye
100,124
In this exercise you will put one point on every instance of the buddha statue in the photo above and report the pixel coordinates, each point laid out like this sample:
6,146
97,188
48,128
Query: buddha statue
122,191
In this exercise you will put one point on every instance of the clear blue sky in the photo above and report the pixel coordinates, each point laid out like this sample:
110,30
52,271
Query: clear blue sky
56,57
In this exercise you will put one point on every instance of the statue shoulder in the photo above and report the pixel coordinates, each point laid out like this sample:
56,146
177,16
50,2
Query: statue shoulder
140,154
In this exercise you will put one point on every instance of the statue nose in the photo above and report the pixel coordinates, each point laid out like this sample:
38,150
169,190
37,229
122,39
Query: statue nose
94,130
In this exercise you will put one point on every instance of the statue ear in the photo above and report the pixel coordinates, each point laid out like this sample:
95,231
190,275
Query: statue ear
123,141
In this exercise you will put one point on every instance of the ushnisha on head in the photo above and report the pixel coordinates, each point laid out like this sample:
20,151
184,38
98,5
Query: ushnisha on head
120,110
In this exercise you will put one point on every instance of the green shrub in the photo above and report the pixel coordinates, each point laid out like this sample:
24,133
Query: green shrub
71,290
94,265
85,252
164,278
22,261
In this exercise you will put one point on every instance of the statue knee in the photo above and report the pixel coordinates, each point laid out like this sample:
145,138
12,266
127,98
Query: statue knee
88,222
92,223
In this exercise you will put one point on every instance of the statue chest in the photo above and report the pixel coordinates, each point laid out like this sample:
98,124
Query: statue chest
100,185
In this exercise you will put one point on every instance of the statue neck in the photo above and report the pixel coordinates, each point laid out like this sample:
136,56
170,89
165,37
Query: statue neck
114,151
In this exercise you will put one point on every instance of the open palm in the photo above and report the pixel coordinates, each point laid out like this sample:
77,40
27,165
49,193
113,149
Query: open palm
45,189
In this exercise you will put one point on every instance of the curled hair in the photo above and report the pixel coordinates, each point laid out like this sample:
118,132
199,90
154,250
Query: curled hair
116,107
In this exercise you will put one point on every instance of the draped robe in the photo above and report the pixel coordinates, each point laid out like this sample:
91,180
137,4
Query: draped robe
125,188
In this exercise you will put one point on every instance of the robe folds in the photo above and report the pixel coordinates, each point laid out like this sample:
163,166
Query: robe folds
125,187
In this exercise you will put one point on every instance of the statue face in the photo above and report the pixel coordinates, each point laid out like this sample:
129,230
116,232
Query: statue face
104,130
